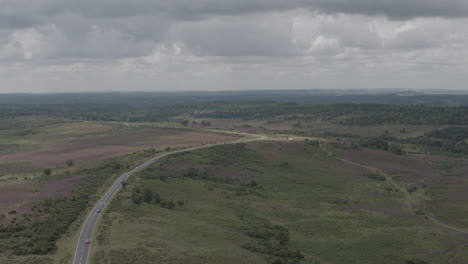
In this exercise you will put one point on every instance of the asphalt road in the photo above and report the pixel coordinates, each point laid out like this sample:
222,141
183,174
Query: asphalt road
82,249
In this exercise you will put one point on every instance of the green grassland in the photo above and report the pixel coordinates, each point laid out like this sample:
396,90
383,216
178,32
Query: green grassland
267,202
40,226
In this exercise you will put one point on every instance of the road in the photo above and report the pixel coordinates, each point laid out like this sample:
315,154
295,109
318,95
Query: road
82,250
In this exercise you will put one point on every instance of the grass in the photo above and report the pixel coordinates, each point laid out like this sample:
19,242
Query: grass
65,214
332,211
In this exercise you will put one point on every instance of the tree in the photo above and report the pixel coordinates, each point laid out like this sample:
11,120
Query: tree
171,205
157,198
124,184
181,203
147,195
253,183
396,149
184,122
70,163
136,198
47,171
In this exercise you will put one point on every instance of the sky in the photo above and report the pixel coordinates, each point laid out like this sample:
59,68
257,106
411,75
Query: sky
211,45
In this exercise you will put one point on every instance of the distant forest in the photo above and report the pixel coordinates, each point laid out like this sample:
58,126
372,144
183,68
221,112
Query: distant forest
139,99
345,114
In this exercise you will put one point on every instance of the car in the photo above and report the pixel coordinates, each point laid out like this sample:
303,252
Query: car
88,241
99,211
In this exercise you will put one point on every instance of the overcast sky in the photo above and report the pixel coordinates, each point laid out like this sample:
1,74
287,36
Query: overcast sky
180,45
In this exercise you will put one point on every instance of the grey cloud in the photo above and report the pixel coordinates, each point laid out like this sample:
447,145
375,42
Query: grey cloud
122,28
224,42
20,13
189,9
237,36
397,9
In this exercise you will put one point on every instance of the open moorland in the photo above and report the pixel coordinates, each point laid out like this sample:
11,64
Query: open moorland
334,183
53,169
284,202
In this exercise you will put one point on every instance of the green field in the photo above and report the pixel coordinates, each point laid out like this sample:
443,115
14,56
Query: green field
40,213
304,206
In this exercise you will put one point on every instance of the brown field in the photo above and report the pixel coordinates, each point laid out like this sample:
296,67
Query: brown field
444,188
82,150
19,196
410,169
450,197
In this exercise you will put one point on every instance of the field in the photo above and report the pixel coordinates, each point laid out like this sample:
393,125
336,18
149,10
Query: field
338,183
48,146
37,208
278,202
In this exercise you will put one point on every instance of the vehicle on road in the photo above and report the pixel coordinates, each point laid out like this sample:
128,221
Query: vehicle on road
99,211
88,241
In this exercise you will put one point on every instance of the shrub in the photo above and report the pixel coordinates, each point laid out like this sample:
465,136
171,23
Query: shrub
419,212
147,196
376,177
396,149
136,198
171,205
157,198
416,261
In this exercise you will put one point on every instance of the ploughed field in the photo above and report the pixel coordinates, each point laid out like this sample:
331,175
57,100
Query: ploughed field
289,202
52,170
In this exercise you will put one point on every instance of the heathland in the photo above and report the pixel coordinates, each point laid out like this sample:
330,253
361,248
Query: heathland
334,183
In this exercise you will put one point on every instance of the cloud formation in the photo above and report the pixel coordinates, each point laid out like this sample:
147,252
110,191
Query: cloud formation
232,44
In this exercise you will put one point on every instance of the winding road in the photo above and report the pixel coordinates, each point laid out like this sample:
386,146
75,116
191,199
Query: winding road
82,250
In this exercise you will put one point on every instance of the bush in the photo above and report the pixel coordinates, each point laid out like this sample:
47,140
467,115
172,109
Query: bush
396,149
419,212
416,261
171,205
376,143
136,198
376,177
147,196
157,198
